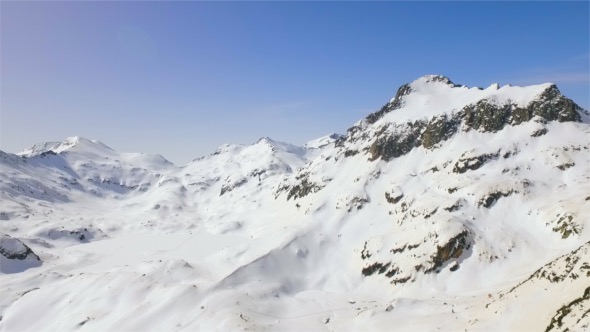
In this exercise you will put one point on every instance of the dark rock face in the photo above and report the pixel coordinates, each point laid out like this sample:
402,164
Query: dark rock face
390,270
231,186
373,117
487,117
539,132
488,200
472,163
47,153
350,153
442,255
339,142
439,129
455,207
520,115
389,146
397,102
392,198
566,226
257,173
392,105
12,248
82,234
357,202
375,267
453,249
565,166
303,188
552,105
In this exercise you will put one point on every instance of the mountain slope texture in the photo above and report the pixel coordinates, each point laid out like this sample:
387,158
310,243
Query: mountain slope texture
450,208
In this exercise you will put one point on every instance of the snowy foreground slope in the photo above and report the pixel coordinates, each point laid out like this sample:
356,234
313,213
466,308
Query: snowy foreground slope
451,208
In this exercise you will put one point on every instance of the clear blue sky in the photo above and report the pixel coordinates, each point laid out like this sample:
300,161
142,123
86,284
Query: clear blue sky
181,78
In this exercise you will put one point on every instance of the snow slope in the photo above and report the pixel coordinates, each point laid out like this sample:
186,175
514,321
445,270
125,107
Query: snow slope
449,208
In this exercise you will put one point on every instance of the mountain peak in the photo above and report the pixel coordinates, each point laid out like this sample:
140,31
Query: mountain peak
266,140
77,140
433,79
279,146
435,95
74,142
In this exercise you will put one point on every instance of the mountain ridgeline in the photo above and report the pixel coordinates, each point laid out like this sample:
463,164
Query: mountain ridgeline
446,208
483,115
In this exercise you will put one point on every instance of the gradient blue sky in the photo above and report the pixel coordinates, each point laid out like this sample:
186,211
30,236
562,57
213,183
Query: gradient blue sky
181,78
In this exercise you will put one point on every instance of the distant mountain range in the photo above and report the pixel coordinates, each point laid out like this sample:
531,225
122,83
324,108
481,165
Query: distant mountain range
450,208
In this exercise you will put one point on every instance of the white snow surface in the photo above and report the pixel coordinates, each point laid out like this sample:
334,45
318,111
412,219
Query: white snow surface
131,242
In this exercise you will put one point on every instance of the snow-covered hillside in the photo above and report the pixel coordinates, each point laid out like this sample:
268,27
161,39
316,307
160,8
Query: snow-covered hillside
450,208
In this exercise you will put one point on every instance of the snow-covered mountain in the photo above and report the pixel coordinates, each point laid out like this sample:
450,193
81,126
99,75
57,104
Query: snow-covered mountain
450,208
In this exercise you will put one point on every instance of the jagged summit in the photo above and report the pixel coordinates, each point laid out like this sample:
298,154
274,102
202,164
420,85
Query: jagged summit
434,95
433,79
494,86
431,110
